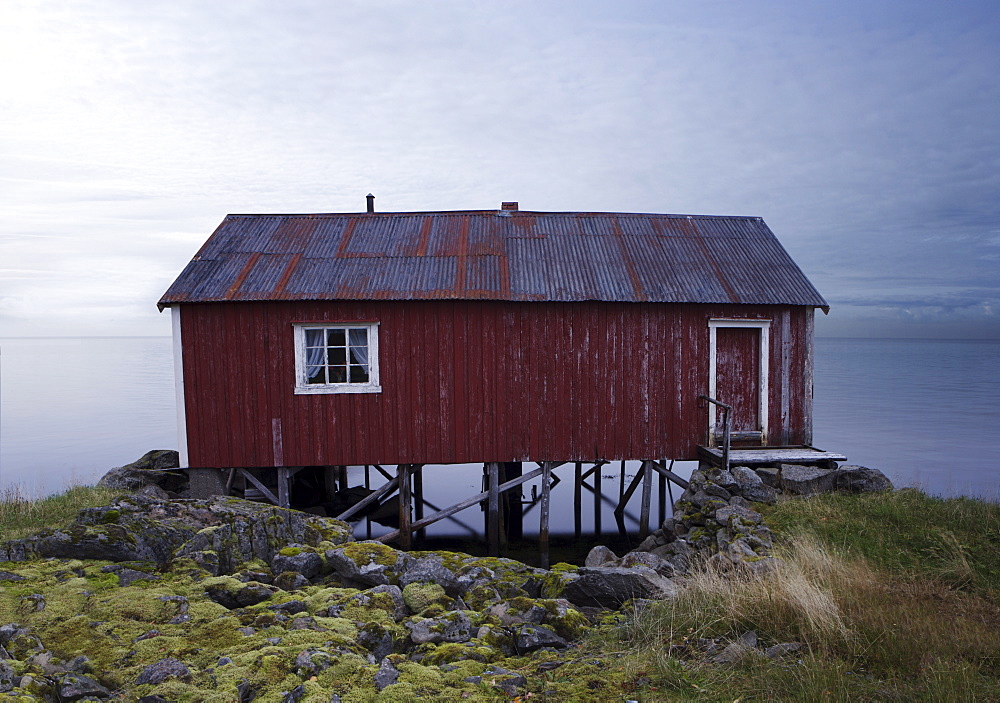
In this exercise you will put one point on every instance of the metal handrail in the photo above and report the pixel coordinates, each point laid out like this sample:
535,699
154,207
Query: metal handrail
725,429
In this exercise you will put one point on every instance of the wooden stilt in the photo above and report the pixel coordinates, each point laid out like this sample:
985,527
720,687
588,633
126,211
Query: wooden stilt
629,491
543,516
493,510
462,505
369,499
670,486
368,486
647,489
330,486
577,498
512,513
265,491
405,500
284,476
662,498
342,477
597,499
418,498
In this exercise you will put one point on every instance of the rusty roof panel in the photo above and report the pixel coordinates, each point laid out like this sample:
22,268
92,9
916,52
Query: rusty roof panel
263,277
490,255
326,238
448,236
483,273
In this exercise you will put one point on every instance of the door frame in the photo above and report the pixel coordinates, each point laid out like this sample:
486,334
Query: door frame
765,344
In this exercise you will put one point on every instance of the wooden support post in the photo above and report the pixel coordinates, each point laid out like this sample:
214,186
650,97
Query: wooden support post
662,496
513,512
247,476
284,478
597,499
493,510
543,516
375,495
418,497
368,486
405,500
577,498
342,477
462,505
330,486
647,489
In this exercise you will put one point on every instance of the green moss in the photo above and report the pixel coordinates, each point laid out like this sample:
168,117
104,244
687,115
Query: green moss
419,597
382,601
480,597
110,517
571,625
341,627
453,561
554,583
363,613
564,568
364,553
229,584
290,551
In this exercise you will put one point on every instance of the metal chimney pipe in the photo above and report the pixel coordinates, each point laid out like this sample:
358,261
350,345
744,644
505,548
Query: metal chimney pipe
371,202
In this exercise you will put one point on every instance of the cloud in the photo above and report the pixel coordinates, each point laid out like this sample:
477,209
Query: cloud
865,135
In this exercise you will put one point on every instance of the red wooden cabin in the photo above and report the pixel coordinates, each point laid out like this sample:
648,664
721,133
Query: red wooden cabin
487,336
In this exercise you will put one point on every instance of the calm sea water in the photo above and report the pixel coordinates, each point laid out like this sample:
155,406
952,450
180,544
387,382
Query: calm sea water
923,411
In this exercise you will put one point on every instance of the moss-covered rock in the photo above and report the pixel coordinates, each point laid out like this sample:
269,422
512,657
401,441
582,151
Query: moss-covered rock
419,597
366,564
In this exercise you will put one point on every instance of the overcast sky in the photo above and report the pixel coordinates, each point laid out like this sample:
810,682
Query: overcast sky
866,134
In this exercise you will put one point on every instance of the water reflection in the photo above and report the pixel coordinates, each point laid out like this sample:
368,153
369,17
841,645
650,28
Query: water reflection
923,411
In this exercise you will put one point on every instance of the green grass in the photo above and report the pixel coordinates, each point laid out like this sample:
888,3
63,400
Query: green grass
20,516
894,595
907,532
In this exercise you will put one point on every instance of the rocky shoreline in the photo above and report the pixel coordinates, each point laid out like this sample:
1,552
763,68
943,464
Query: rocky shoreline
155,598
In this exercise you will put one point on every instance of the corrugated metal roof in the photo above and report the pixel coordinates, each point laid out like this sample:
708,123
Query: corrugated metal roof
489,255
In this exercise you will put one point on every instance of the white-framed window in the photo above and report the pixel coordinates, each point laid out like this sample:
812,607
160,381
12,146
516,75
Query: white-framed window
334,357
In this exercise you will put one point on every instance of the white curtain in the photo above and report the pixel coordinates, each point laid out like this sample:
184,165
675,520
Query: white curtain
359,346
315,355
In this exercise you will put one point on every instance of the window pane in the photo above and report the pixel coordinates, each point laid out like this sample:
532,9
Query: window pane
359,374
359,338
338,355
314,338
314,374
338,374
335,338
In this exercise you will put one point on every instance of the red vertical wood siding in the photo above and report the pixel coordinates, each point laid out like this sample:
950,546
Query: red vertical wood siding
473,381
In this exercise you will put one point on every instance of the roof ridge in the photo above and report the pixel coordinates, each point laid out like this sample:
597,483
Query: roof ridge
508,213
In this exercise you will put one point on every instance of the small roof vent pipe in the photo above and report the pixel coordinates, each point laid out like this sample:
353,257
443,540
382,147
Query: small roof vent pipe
371,202
509,205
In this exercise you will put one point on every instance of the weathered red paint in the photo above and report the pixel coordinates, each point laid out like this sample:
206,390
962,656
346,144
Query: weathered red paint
738,376
475,381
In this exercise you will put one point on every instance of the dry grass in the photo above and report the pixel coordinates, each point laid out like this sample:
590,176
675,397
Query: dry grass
869,634
795,602
20,516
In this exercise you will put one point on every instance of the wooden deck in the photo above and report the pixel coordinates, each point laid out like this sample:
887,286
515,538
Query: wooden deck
762,456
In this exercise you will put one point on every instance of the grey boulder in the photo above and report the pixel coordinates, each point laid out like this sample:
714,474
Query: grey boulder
806,480
609,587
860,479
